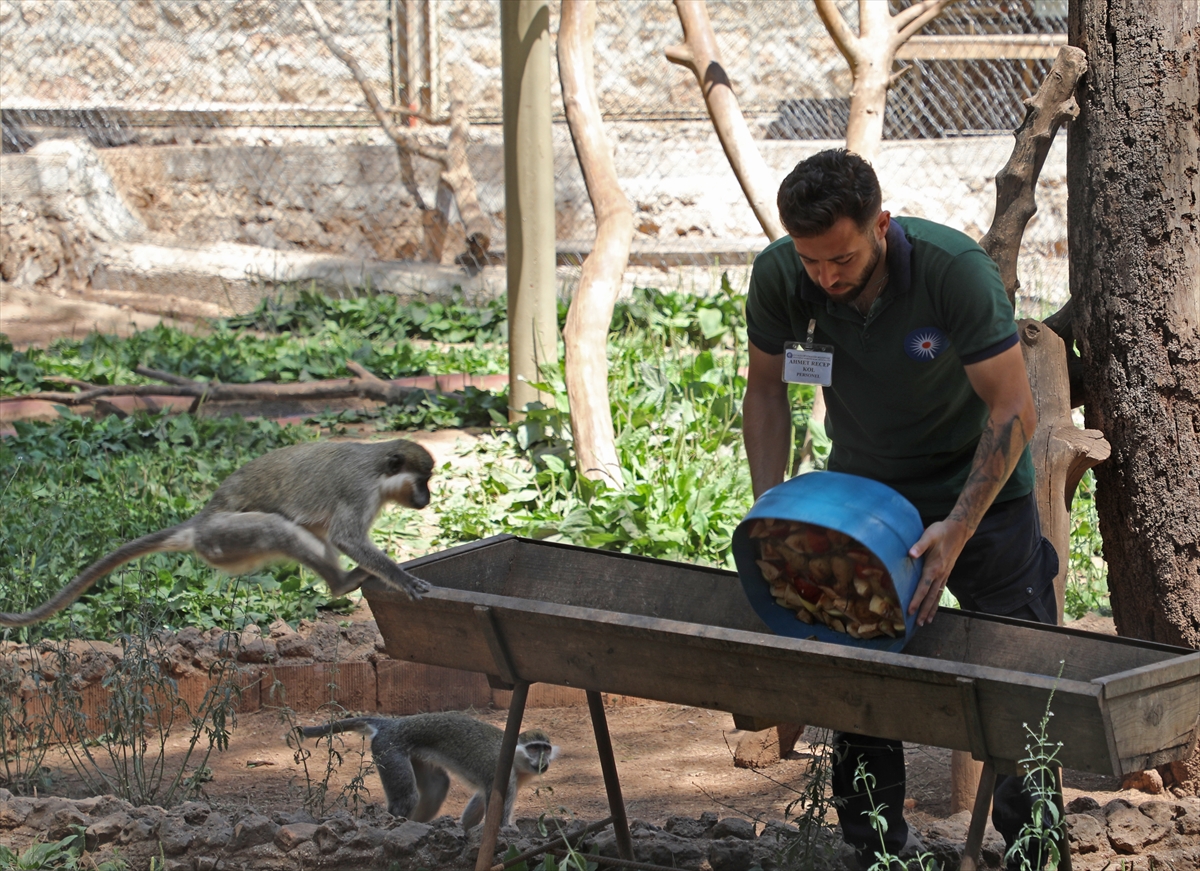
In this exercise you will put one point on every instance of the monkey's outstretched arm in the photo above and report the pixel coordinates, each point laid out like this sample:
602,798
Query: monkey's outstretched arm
374,561
174,538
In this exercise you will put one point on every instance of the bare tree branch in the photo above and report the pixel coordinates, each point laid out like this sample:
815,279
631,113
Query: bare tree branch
455,177
1052,105
870,54
843,37
399,135
699,54
366,386
586,332
909,21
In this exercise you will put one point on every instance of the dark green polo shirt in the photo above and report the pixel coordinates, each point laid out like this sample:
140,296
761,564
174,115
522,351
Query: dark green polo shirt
900,408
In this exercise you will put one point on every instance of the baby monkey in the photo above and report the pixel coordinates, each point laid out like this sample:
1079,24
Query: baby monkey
412,755
304,503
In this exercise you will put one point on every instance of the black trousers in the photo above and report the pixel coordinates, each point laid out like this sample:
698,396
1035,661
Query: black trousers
1006,568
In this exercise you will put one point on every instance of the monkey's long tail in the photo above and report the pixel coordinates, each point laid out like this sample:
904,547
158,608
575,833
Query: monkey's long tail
368,726
173,538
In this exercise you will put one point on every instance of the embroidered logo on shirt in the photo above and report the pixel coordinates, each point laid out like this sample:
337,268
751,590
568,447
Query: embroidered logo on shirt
925,343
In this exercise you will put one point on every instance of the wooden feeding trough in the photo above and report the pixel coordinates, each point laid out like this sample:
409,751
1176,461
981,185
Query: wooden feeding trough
524,611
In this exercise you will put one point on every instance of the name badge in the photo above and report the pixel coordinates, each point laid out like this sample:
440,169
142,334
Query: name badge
807,363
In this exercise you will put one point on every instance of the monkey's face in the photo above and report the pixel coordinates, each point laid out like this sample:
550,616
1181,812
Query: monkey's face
406,475
537,750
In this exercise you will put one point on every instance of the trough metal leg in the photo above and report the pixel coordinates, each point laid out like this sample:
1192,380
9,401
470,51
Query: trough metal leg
495,803
979,817
608,765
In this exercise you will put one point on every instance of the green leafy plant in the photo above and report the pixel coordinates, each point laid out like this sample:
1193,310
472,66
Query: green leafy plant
227,354
63,855
43,856
424,409
307,312
1087,574
685,486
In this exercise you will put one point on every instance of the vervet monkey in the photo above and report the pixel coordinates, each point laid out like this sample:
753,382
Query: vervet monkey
412,755
304,503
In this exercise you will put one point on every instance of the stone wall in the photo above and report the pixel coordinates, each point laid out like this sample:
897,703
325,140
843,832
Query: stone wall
197,837
71,214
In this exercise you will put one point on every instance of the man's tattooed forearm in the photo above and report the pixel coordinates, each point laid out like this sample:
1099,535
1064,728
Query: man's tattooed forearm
995,458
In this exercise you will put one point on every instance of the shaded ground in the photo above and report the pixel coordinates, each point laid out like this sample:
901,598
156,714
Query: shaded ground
672,760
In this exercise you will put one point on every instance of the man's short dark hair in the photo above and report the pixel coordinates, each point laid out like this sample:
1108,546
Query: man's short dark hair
825,188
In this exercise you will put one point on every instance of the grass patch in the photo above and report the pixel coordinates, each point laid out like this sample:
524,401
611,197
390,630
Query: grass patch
75,488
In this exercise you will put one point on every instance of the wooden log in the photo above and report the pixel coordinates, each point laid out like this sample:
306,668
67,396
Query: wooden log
365,386
1062,452
1052,105
585,335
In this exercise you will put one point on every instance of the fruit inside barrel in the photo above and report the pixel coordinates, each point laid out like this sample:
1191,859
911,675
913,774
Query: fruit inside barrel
828,577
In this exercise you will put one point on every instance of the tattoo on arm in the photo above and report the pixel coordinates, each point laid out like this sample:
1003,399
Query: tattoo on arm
996,456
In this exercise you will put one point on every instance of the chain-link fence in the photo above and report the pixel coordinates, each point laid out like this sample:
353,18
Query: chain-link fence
208,149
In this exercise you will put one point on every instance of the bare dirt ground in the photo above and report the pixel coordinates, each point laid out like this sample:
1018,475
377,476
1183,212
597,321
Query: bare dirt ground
672,760
37,317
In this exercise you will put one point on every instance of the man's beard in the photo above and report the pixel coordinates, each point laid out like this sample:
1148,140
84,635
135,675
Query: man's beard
846,297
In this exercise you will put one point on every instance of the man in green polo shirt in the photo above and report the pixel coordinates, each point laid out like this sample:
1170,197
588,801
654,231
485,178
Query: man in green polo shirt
906,325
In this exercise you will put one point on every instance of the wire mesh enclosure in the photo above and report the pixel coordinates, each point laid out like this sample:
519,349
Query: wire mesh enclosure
212,149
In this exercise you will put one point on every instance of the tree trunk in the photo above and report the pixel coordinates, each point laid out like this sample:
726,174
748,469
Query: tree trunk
528,199
1133,172
586,333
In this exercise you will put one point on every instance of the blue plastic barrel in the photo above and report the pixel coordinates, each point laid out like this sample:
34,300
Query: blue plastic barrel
872,513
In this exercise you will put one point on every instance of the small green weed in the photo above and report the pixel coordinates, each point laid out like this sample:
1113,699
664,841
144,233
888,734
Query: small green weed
566,856
884,860
24,737
332,753
814,846
142,707
1087,574
1038,843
